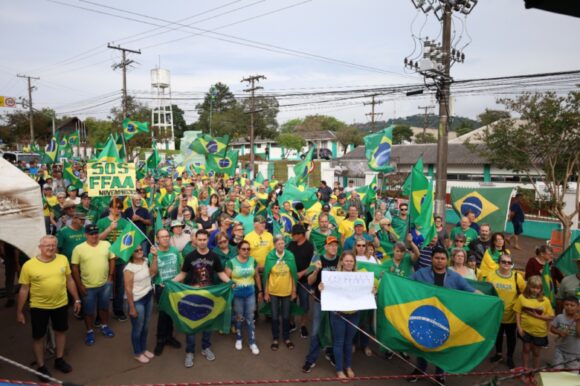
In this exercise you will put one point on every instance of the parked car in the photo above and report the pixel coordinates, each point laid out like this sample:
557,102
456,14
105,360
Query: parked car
17,156
323,153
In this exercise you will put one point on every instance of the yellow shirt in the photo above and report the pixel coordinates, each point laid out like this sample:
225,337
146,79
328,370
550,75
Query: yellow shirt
507,292
47,282
280,280
260,246
193,203
346,228
531,325
93,263
51,201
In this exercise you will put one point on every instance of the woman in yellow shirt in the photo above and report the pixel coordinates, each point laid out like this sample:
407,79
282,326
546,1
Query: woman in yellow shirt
279,282
533,312
509,284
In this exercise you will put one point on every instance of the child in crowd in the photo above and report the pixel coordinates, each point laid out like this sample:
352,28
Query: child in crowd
533,312
567,327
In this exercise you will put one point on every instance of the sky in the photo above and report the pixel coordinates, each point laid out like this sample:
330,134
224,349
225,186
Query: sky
327,44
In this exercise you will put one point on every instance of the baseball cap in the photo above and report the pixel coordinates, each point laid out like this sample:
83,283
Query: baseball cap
70,188
341,196
47,187
92,229
358,221
176,223
298,229
333,196
326,208
330,240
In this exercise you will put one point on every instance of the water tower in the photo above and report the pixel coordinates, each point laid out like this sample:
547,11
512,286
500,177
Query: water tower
161,113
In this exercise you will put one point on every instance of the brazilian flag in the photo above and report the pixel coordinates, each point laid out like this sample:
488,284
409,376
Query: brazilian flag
415,187
109,152
367,193
225,164
490,205
548,284
319,240
51,151
567,263
206,144
378,149
301,193
153,160
73,139
303,168
425,222
198,309
131,127
453,329
69,174
131,237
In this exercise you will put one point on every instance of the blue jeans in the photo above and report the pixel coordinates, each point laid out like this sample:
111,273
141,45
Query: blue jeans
422,365
244,308
342,337
303,292
314,349
190,341
280,308
97,297
140,324
119,296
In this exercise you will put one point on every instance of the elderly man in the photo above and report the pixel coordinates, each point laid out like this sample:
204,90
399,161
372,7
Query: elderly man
71,235
466,229
46,279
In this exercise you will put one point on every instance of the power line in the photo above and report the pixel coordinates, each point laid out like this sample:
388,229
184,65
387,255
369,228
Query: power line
372,114
30,109
252,80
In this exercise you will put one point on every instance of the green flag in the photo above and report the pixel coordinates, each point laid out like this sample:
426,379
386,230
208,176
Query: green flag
51,151
425,222
377,269
319,240
131,127
65,148
68,174
484,286
415,186
73,139
225,165
153,160
303,168
109,152
455,330
206,144
378,149
568,261
548,284
302,194
367,193
198,309
129,239
490,205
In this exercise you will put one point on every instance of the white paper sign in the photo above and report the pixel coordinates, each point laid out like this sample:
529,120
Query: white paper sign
347,291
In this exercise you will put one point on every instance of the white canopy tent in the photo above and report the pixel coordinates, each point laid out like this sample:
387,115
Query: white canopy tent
21,215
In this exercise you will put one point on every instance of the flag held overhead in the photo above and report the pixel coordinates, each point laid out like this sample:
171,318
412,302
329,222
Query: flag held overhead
378,148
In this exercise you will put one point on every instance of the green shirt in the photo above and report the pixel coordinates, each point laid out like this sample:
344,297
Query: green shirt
188,249
404,268
68,239
168,264
470,234
247,222
400,226
90,214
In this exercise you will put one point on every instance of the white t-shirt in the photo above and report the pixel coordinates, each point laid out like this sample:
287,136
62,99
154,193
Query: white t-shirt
141,279
364,259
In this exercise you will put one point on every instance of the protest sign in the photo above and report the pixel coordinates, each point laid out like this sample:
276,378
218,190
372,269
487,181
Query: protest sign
110,178
347,291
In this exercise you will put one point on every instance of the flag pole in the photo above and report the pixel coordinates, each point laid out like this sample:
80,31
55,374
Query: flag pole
146,238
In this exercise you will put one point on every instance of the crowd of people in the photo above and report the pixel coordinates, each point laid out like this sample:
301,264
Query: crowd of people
215,230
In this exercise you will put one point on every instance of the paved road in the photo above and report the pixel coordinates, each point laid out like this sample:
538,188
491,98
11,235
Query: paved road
110,361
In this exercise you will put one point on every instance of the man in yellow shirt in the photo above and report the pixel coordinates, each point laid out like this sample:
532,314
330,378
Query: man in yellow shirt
46,279
261,241
346,227
93,269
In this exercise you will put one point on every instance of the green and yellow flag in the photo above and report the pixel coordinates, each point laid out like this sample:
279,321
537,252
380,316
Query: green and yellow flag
425,222
442,325
131,127
415,186
303,168
73,139
69,175
109,152
225,165
490,205
131,237
51,151
206,144
378,149
568,261
548,284
198,309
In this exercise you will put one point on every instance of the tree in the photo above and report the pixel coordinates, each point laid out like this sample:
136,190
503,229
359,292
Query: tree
98,131
320,123
179,124
425,138
290,126
17,126
217,100
490,116
402,133
464,128
545,146
348,135
289,141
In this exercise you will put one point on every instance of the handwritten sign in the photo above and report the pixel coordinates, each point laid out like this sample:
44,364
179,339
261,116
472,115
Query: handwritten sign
110,178
347,291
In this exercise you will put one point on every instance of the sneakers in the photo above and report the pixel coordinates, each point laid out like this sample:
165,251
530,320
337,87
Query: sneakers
308,367
90,338
329,357
173,342
254,348
303,332
106,331
238,345
61,365
293,327
389,354
208,354
44,370
510,363
120,316
188,360
496,358
414,379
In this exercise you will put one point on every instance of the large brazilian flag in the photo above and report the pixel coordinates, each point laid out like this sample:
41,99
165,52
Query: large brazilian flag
198,309
225,165
453,329
206,144
490,205
378,149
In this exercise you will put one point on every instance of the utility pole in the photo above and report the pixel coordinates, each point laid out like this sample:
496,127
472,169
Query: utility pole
251,80
372,114
426,110
30,109
123,66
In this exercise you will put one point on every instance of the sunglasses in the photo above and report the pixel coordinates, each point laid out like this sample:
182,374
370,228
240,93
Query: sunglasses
361,245
505,262
244,249
404,210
